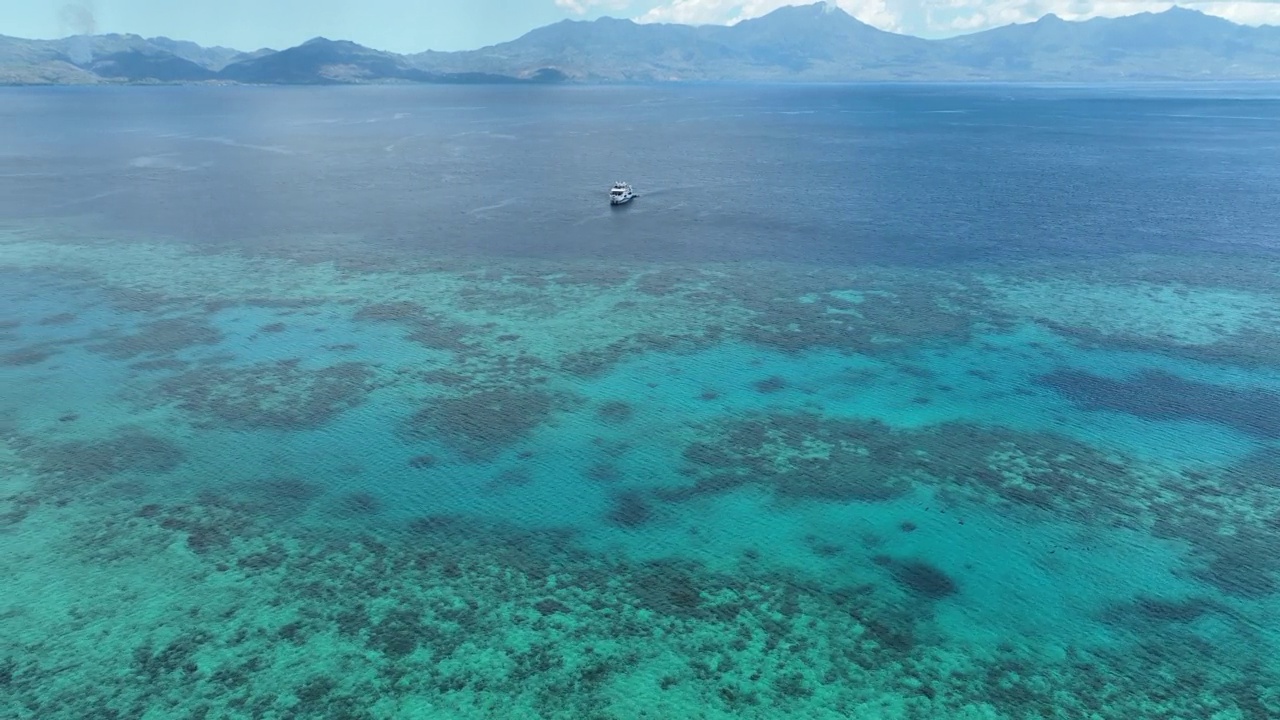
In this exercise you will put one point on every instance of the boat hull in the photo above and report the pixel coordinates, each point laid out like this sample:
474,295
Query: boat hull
621,193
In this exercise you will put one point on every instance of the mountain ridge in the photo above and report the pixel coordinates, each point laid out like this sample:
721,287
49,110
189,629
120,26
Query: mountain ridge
805,43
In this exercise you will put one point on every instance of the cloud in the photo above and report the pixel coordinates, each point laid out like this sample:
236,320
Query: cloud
78,17
1265,12
935,18
728,12
582,7
884,14
967,15
692,12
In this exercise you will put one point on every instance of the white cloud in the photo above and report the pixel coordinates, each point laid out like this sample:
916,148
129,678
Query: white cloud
934,18
892,15
582,7
1245,13
692,12
980,14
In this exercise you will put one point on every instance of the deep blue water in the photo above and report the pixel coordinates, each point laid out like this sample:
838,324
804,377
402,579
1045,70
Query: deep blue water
845,175
878,402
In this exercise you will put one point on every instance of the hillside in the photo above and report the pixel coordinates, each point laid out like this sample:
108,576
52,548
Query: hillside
807,43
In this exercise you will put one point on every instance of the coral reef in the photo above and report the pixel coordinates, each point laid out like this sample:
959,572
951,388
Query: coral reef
484,422
801,456
159,337
599,489
31,355
280,395
361,625
1158,395
84,461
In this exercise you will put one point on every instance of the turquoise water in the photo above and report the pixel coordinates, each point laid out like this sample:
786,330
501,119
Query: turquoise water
318,478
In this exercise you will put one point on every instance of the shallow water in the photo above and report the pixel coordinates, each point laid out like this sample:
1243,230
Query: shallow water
882,402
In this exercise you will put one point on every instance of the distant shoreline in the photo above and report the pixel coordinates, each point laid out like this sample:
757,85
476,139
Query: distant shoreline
814,44
671,83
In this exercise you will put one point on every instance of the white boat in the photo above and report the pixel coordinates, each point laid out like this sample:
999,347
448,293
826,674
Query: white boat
620,193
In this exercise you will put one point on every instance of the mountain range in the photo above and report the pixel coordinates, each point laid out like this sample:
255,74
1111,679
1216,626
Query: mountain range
811,43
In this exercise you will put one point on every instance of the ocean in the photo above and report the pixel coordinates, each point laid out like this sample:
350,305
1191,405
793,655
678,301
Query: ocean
879,401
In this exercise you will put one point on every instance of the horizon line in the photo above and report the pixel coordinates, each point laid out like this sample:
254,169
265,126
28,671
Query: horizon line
636,21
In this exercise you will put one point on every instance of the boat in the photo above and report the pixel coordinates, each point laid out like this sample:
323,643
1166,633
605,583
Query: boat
621,193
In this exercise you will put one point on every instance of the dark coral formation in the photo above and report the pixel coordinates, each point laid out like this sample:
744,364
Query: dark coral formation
509,478
805,455
630,509
1159,395
1253,346
279,497
160,337
31,355
410,610
801,456
771,384
133,299
809,456
423,462
597,361
1259,469
1243,563
615,411
160,365
1252,349
279,395
669,281
212,527
361,503
559,630
916,310
603,472
920,578
483,423
669,588
1154,614
65,318
400,311
432,330
130,451
793,314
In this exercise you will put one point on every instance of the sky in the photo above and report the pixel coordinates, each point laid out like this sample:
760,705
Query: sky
415,25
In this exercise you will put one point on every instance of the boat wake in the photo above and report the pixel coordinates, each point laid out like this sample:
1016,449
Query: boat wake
486,208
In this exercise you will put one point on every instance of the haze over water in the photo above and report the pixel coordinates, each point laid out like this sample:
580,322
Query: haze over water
877,402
